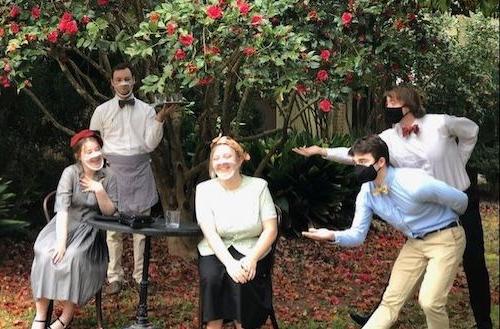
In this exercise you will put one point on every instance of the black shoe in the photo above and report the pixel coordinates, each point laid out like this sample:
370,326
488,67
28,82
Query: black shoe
359,319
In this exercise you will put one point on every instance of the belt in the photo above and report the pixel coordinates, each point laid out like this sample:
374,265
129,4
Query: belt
452,224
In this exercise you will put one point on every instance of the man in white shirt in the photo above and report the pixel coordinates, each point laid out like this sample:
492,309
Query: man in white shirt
130,129
441,145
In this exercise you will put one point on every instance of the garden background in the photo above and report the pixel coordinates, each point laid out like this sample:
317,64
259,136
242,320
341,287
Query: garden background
274,74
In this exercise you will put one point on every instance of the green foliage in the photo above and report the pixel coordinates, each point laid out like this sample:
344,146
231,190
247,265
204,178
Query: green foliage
6,199
310,191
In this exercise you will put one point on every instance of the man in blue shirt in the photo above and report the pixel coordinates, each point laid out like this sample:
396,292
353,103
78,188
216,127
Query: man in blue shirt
426,211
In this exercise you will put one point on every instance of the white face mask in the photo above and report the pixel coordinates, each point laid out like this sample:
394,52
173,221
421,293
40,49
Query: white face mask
93,161
227,173
124,89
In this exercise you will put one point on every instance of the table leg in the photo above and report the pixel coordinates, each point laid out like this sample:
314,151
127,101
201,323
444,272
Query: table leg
142,309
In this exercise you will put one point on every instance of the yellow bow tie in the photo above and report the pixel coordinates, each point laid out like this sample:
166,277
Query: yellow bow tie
380,190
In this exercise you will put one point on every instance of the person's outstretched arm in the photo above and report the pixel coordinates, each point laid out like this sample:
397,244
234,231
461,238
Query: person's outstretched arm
337,154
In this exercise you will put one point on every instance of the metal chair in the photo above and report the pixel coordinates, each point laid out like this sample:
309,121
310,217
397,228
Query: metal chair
48,210
272,313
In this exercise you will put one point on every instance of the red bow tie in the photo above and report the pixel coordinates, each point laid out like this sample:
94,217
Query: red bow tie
409,129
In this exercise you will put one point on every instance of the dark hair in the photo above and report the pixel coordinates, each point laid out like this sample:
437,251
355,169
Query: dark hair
409,97
372,144
122,66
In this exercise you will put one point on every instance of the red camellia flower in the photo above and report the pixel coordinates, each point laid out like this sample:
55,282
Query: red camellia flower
205,81
154,17
2,32
312,15
7,68
346,19
85,20
301,89
180,54
4,81
35,12
171,27
186,39
248,51
322,75
244,8
102,3
256,20
325,54
14,28
53,36
15,11
214,12
67,16
67,24
325,105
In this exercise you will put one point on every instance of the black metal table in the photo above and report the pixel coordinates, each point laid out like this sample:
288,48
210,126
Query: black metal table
158,228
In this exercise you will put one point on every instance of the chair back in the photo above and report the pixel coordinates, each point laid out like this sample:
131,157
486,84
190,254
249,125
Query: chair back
48,205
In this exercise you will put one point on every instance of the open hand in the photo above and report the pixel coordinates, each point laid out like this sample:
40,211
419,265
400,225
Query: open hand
58,254
309,151
319,234
236,272
166,111
90,185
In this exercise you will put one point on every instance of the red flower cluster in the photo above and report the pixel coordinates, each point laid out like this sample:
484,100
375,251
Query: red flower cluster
4,81
243,7
325,55
180,54
214,12
186,39
346,19
154,17
102,3
52,37
249,51
67,24
325,105
322,75
171,28
15,11
256,20
36,12
14,28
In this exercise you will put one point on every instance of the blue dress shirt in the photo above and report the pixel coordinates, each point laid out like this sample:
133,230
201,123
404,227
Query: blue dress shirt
415,204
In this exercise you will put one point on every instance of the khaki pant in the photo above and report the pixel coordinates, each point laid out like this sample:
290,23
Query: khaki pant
115,247
434,261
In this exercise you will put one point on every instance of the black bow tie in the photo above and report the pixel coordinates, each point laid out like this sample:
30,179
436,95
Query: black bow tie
123,102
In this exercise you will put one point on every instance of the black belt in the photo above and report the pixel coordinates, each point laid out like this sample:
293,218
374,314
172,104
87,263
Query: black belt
452,224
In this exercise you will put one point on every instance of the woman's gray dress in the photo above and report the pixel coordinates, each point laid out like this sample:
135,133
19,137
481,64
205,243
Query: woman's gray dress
82,270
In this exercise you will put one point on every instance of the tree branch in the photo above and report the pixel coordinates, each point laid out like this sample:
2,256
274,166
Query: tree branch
88,80
79,89
46,112
239,113
260,135
92,62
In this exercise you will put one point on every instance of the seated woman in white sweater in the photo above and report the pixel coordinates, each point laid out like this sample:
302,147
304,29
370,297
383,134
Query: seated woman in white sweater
237,216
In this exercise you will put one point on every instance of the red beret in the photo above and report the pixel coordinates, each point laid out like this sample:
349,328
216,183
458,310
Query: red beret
85,133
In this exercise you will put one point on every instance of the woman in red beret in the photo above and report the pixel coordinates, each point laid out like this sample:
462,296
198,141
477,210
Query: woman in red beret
71,256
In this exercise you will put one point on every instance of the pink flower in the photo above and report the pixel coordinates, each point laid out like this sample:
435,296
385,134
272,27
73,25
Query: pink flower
205,81
325,54
248,51
85,20
4,81
68,27
312,15
171,27
102,3
325,105
180,54
244,8
35,12
346,19
53,36
14,28
15,11
214,12
7,68
186,39
301,89
256,20
322,75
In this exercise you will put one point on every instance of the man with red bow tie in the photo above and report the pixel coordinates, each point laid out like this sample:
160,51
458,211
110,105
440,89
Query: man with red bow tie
441,145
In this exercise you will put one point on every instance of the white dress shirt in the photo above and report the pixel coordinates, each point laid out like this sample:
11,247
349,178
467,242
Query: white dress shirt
130,130
237,214
434,149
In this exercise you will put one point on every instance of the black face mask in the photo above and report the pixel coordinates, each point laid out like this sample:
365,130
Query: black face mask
393,115
365,174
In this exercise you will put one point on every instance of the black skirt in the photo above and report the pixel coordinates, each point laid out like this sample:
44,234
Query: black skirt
222,298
